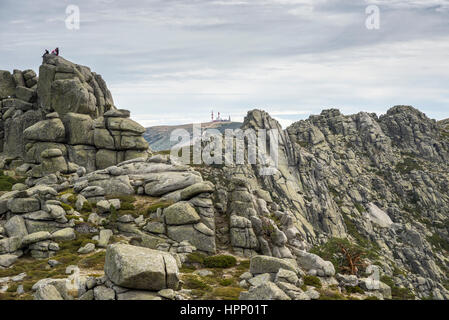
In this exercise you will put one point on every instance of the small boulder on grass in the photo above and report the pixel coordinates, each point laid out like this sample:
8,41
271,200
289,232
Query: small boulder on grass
53,263
141,268
104,206
7,260
88,248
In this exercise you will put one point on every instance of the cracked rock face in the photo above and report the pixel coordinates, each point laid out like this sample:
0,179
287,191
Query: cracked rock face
67,87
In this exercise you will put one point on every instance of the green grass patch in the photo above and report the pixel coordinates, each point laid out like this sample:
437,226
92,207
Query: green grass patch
226,282
438,242
87,207
80,241
95,261
5,185
37,269
186,270
370,247
334,192
312,281
356,289
397,293
243,265
408,165
227,293
66,207
359,207
192,281
304,144
220,261
331,295
6,182
159,204
127,206
196,257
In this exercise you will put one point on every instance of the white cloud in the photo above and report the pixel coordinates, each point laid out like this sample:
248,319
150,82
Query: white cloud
438,5
177,60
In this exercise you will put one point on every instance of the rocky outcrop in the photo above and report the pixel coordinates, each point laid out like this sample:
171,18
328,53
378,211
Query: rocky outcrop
68,108
378,181
36,221
66,87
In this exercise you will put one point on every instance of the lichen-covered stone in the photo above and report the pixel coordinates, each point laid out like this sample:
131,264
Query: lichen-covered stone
141,268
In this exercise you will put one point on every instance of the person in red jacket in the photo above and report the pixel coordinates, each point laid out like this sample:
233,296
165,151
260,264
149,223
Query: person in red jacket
55,52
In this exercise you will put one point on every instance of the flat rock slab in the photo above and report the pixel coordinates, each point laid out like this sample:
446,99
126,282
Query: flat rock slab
66,234
195,237
267,264
23,205
7,260
36,237
163,183
196,189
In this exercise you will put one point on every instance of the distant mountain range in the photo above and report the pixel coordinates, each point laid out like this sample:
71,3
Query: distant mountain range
159,136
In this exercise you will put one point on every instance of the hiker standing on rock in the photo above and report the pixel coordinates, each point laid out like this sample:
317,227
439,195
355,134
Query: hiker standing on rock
45,53
55,52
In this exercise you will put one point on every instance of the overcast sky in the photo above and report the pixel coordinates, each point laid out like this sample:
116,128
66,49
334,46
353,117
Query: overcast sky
173,61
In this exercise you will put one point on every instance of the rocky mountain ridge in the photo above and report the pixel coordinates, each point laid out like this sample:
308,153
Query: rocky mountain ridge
358,207
158,137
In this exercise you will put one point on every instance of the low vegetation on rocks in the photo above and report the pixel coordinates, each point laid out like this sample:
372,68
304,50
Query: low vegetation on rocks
220,261
6,181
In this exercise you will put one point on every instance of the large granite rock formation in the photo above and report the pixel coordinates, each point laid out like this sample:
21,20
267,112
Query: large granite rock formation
68,108
380,182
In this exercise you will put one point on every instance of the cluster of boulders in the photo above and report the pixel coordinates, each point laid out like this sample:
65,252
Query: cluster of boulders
271,278
63,120
131,273
77,140
14,279
256,222
35,222
189,214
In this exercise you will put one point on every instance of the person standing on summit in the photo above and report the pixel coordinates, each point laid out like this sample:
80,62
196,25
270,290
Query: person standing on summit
55,52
